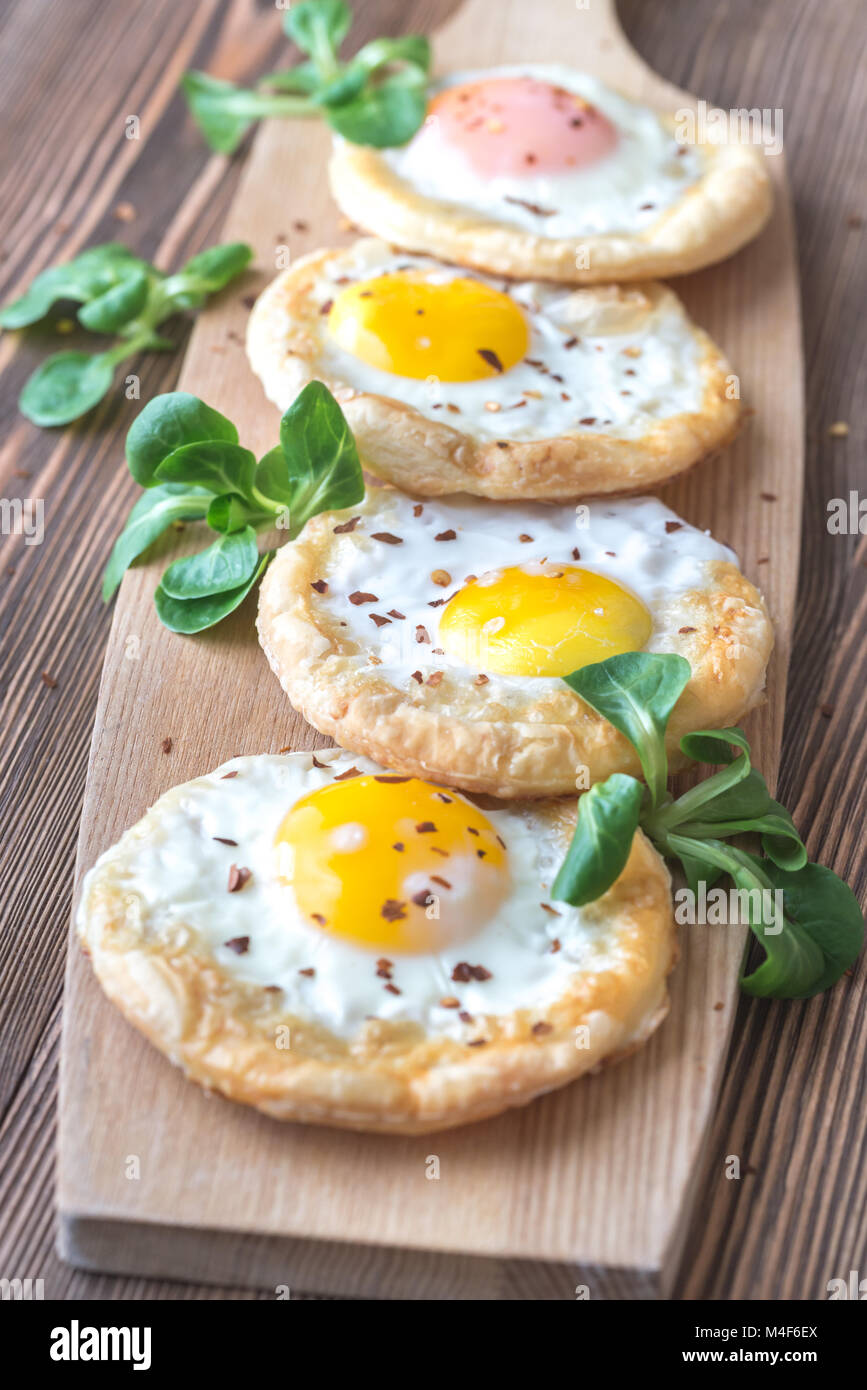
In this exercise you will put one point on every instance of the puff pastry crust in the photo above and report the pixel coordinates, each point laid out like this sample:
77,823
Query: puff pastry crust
286,336
716,216
391,1078
453,731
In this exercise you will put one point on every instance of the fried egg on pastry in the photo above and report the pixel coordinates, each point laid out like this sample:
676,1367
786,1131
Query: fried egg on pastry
538,170
433,635
454,383
332,943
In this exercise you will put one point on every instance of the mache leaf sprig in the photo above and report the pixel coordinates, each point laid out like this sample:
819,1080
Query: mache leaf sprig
377,98
119,294
188,458
822,927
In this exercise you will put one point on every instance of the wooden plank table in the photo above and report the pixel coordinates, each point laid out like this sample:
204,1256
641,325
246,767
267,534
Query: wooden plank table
789,1111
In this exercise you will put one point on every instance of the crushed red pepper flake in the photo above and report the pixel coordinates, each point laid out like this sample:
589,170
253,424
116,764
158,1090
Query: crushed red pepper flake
541,1027
434,679
326,307
465,1017
387,538
446,536
421,633
392,989
316,762
49,681
319,919
166,745
524,538
480,679
768,496
555,945
464,972
588,420
441,796
399,845
239,944
389,777
320,585
393,613
450,1002
488,355
221,840
417,509
417,676
226,775
536,210
345,776
308,971
671,526
359,596
571,342
443,853
423,898
684,630
443,882
238,876
477,1042
393,910
546,907
425,827
346,526
379,619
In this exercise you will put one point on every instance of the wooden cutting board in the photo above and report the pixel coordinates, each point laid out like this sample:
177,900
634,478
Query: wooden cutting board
588,1186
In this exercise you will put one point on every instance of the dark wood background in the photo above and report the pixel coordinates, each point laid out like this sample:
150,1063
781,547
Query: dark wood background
71,71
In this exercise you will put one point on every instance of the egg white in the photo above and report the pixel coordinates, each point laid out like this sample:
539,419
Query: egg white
626,540
647,173
616,383
176,878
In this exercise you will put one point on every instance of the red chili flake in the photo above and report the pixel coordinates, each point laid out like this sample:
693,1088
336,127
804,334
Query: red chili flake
450,1002
273,989
166,745
480,680
612,553
763,559
441,796
389,777
49,681
576,553
423,898
438,602
647,207
555,945
346,526
443,853
501,842
316,762
502,444
226,775
326,307
446,536
300,226
361,597
564,396
531,207
571,342
319,919
489,356
345,776
464,972
540,1028
392,989
384,963
320,585
465,1017
221,841
477,1042
417,509
443,882
425,827
379,620
686,629
434,679
472,830
768,496
417,676
421,634
308,971
393,910
524,538
383,972
239,944
455,409
237,878
546,907
387,538
588,420
481,854
673,526
393,613
400,846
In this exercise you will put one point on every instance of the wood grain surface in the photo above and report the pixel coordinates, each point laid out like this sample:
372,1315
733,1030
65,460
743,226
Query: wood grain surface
791,1105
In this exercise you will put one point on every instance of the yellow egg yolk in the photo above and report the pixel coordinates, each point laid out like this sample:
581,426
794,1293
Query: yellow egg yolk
392,863
543,621
406,324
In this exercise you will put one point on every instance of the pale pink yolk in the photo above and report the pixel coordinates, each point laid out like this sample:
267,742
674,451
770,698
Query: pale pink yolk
518,125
